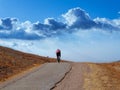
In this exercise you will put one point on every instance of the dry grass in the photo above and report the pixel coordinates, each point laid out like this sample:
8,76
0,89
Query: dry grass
13,62
104,76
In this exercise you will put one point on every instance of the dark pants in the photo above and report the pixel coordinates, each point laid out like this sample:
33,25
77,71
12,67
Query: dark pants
58,56
58,59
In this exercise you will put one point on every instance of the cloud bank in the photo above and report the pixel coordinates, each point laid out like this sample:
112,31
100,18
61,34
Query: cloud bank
79,37
82,46
75,18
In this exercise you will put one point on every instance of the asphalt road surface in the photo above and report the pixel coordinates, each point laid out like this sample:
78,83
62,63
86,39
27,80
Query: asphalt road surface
43,78
74,80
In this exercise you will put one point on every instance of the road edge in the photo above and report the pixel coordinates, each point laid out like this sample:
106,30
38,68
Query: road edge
55,85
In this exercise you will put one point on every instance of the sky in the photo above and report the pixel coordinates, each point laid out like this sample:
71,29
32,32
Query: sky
85,31
35,10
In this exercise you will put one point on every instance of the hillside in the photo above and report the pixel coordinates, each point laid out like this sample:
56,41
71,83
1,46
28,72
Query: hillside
13,62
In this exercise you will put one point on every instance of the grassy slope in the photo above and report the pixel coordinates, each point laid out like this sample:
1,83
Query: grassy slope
13,62
104,76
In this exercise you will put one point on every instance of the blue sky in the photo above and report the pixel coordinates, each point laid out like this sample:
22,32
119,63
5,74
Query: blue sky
84,30
35,10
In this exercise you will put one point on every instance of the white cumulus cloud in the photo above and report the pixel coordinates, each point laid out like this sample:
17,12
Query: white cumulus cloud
75,19
78,18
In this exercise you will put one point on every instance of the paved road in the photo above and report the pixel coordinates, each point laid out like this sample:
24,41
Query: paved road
74,80
42,78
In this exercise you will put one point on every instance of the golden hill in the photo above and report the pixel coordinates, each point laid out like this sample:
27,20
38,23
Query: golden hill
13,62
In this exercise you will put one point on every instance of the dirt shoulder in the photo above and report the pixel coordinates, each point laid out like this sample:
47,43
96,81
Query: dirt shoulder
103,77
91,76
